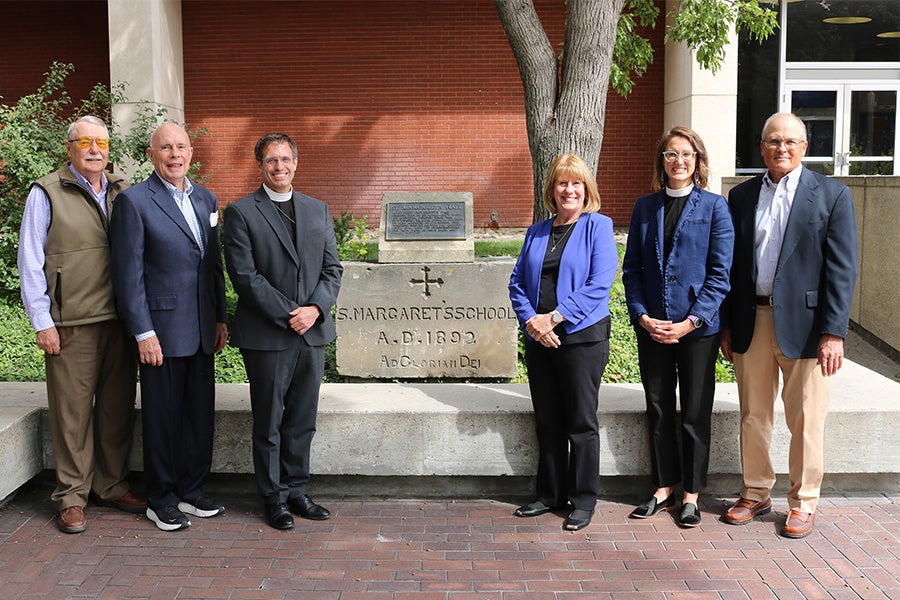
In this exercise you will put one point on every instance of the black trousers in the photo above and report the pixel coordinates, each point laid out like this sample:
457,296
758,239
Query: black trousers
178,413
564,384
284,396
691,365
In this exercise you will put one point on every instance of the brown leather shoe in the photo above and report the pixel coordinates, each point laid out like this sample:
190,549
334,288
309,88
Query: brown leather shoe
798,524
71,520
744,510
129,502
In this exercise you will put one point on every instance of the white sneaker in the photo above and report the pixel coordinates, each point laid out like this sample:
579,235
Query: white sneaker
202,506
168,518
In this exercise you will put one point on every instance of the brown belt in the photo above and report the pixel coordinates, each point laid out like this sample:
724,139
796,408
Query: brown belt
764,300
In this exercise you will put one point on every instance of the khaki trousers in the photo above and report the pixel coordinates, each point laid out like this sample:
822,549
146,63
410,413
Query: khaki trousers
806,394
90,393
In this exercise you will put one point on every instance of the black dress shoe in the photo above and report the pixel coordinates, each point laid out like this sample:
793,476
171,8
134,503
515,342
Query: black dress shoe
690,515
652,507
303,506
578,519
532,510
279,516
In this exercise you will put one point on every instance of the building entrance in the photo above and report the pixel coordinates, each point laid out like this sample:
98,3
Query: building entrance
852,129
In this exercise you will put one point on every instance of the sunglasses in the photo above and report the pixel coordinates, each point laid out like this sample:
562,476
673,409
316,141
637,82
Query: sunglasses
85,142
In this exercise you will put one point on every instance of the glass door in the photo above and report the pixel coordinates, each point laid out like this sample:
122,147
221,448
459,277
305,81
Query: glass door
820,109
852,129
872,136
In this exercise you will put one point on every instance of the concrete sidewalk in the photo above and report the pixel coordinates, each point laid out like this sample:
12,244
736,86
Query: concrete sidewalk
377,548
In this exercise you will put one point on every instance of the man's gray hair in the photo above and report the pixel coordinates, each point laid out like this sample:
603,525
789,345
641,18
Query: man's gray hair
779,115
86,119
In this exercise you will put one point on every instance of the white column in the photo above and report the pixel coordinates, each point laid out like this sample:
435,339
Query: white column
705,102
146,53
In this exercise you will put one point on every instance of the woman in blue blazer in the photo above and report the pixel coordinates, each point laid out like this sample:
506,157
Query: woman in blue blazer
559,290
676,274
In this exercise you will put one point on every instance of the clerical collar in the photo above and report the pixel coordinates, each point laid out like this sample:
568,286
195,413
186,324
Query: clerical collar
278,196
680,192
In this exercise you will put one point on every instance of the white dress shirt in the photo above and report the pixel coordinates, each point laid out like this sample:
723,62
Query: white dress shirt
772,212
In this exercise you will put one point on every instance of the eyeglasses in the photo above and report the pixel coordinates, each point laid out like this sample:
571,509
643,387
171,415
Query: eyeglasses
85,142
774,144
672,156
273,161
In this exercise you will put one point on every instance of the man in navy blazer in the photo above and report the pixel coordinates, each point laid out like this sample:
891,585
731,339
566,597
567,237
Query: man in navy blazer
170,288
788,310
282,258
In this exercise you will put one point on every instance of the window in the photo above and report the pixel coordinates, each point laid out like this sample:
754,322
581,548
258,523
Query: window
836,64
843,31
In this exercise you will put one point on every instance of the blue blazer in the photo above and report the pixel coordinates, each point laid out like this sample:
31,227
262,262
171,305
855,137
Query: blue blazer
816,270
161,281
694,280
586,272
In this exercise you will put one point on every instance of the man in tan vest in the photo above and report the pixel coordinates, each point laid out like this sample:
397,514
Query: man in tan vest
64,272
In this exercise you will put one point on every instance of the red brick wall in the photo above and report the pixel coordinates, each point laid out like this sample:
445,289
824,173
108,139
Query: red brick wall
381,95
37,33
388,96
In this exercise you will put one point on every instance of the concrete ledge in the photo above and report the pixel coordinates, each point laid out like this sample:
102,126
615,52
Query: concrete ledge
384,431
21,437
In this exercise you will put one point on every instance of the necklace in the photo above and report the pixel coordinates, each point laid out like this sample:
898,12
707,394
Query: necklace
561,239
284,213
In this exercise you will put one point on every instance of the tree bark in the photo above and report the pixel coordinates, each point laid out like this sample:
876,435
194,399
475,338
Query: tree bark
565,100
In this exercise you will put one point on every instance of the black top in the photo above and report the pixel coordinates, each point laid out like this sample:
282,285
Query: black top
286,212
672,212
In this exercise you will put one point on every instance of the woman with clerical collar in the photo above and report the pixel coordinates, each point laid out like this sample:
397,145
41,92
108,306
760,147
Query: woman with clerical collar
676,275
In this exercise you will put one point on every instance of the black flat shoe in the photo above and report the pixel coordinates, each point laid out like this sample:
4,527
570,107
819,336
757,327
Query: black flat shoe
532,510
690,515
578,519
652,507
279,516
303,506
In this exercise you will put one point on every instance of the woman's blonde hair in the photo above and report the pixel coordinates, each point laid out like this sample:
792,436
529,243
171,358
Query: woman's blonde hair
570,165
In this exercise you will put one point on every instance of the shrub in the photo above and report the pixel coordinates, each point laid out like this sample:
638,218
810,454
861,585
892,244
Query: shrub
31,131
351,237
20,357
623,360
31,134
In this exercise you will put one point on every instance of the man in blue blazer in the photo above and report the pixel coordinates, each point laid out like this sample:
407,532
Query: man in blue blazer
788,310
282,258
170,290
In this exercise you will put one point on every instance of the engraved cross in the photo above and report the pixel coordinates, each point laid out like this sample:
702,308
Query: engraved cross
426,280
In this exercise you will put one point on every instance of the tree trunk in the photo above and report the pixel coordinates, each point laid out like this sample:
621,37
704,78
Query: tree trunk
565,101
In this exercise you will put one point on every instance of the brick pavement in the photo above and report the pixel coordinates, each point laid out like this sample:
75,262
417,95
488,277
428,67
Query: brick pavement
475,549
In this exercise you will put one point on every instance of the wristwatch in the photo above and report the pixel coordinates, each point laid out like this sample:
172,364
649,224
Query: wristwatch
696,321
556,317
